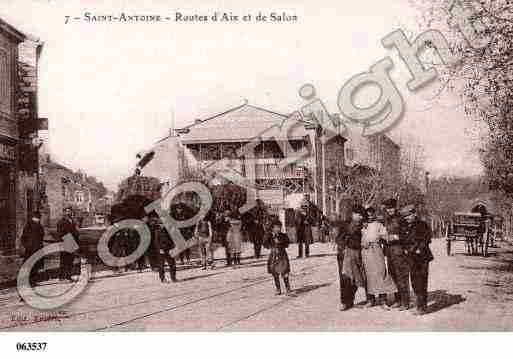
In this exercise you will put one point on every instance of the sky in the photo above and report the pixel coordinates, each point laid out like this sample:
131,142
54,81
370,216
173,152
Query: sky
111,90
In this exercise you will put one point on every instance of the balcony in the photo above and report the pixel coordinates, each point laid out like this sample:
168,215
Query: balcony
271,169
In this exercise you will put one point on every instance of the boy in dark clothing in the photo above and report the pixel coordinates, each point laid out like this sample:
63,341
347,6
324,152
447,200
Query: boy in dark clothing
278,262
349,258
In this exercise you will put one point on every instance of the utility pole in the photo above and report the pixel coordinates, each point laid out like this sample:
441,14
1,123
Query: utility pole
323,146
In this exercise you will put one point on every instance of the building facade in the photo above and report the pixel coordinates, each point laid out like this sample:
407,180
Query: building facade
10,38
254,143
19,142
257,142
29,125
62,188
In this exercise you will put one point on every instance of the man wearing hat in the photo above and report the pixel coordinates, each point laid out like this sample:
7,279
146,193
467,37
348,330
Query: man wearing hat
397,261
307,216
32,241
416,239
349,258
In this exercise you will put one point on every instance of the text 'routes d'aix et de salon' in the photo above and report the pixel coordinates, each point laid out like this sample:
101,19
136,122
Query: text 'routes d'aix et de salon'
183,17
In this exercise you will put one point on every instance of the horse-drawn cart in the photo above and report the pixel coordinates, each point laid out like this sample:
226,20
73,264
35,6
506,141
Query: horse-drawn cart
471,228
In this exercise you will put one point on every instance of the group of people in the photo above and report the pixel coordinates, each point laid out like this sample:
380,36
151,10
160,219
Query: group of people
382,256
32,240
226,229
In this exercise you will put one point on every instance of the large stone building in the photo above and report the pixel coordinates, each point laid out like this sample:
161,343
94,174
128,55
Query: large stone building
274,137
19,125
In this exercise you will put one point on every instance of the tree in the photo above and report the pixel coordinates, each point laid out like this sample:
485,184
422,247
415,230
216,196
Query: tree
362,184
411,183
485,76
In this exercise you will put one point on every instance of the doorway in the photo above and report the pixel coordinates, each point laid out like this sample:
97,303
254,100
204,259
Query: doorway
5,207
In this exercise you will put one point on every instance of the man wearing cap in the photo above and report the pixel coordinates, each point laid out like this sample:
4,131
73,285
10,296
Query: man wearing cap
398,265
416,239
32,241
349,257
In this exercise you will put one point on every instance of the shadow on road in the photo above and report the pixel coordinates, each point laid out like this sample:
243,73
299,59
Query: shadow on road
443,300
309,288
498,267
186,279
256,265
318,255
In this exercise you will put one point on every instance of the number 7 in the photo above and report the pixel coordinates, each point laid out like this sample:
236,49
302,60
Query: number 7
67,19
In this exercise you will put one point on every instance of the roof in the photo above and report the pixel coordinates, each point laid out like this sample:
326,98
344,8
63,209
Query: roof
241,123
469,214
12,31
55,165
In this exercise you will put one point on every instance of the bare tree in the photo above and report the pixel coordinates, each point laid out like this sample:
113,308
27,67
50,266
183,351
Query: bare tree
411,183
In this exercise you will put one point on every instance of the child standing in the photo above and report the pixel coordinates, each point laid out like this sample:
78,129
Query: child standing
278,262
234,239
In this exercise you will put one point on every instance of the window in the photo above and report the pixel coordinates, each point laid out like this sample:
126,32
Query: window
350,154
211,152
5,81
79,196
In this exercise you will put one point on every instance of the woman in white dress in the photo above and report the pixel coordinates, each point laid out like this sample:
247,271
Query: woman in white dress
234,239
379,282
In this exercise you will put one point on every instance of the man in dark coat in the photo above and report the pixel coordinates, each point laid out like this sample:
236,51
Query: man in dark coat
32,241
161,244
64,227
397,261
416,240
307,217
255,220
181,212
350,266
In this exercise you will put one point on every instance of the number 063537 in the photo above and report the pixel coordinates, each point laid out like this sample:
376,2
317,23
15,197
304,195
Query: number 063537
36,346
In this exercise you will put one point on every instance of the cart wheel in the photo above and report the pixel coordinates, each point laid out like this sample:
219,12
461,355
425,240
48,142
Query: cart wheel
448,247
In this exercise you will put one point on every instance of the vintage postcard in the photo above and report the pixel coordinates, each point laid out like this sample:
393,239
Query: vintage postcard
271,166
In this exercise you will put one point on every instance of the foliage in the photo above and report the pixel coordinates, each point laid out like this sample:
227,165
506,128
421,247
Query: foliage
486,77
